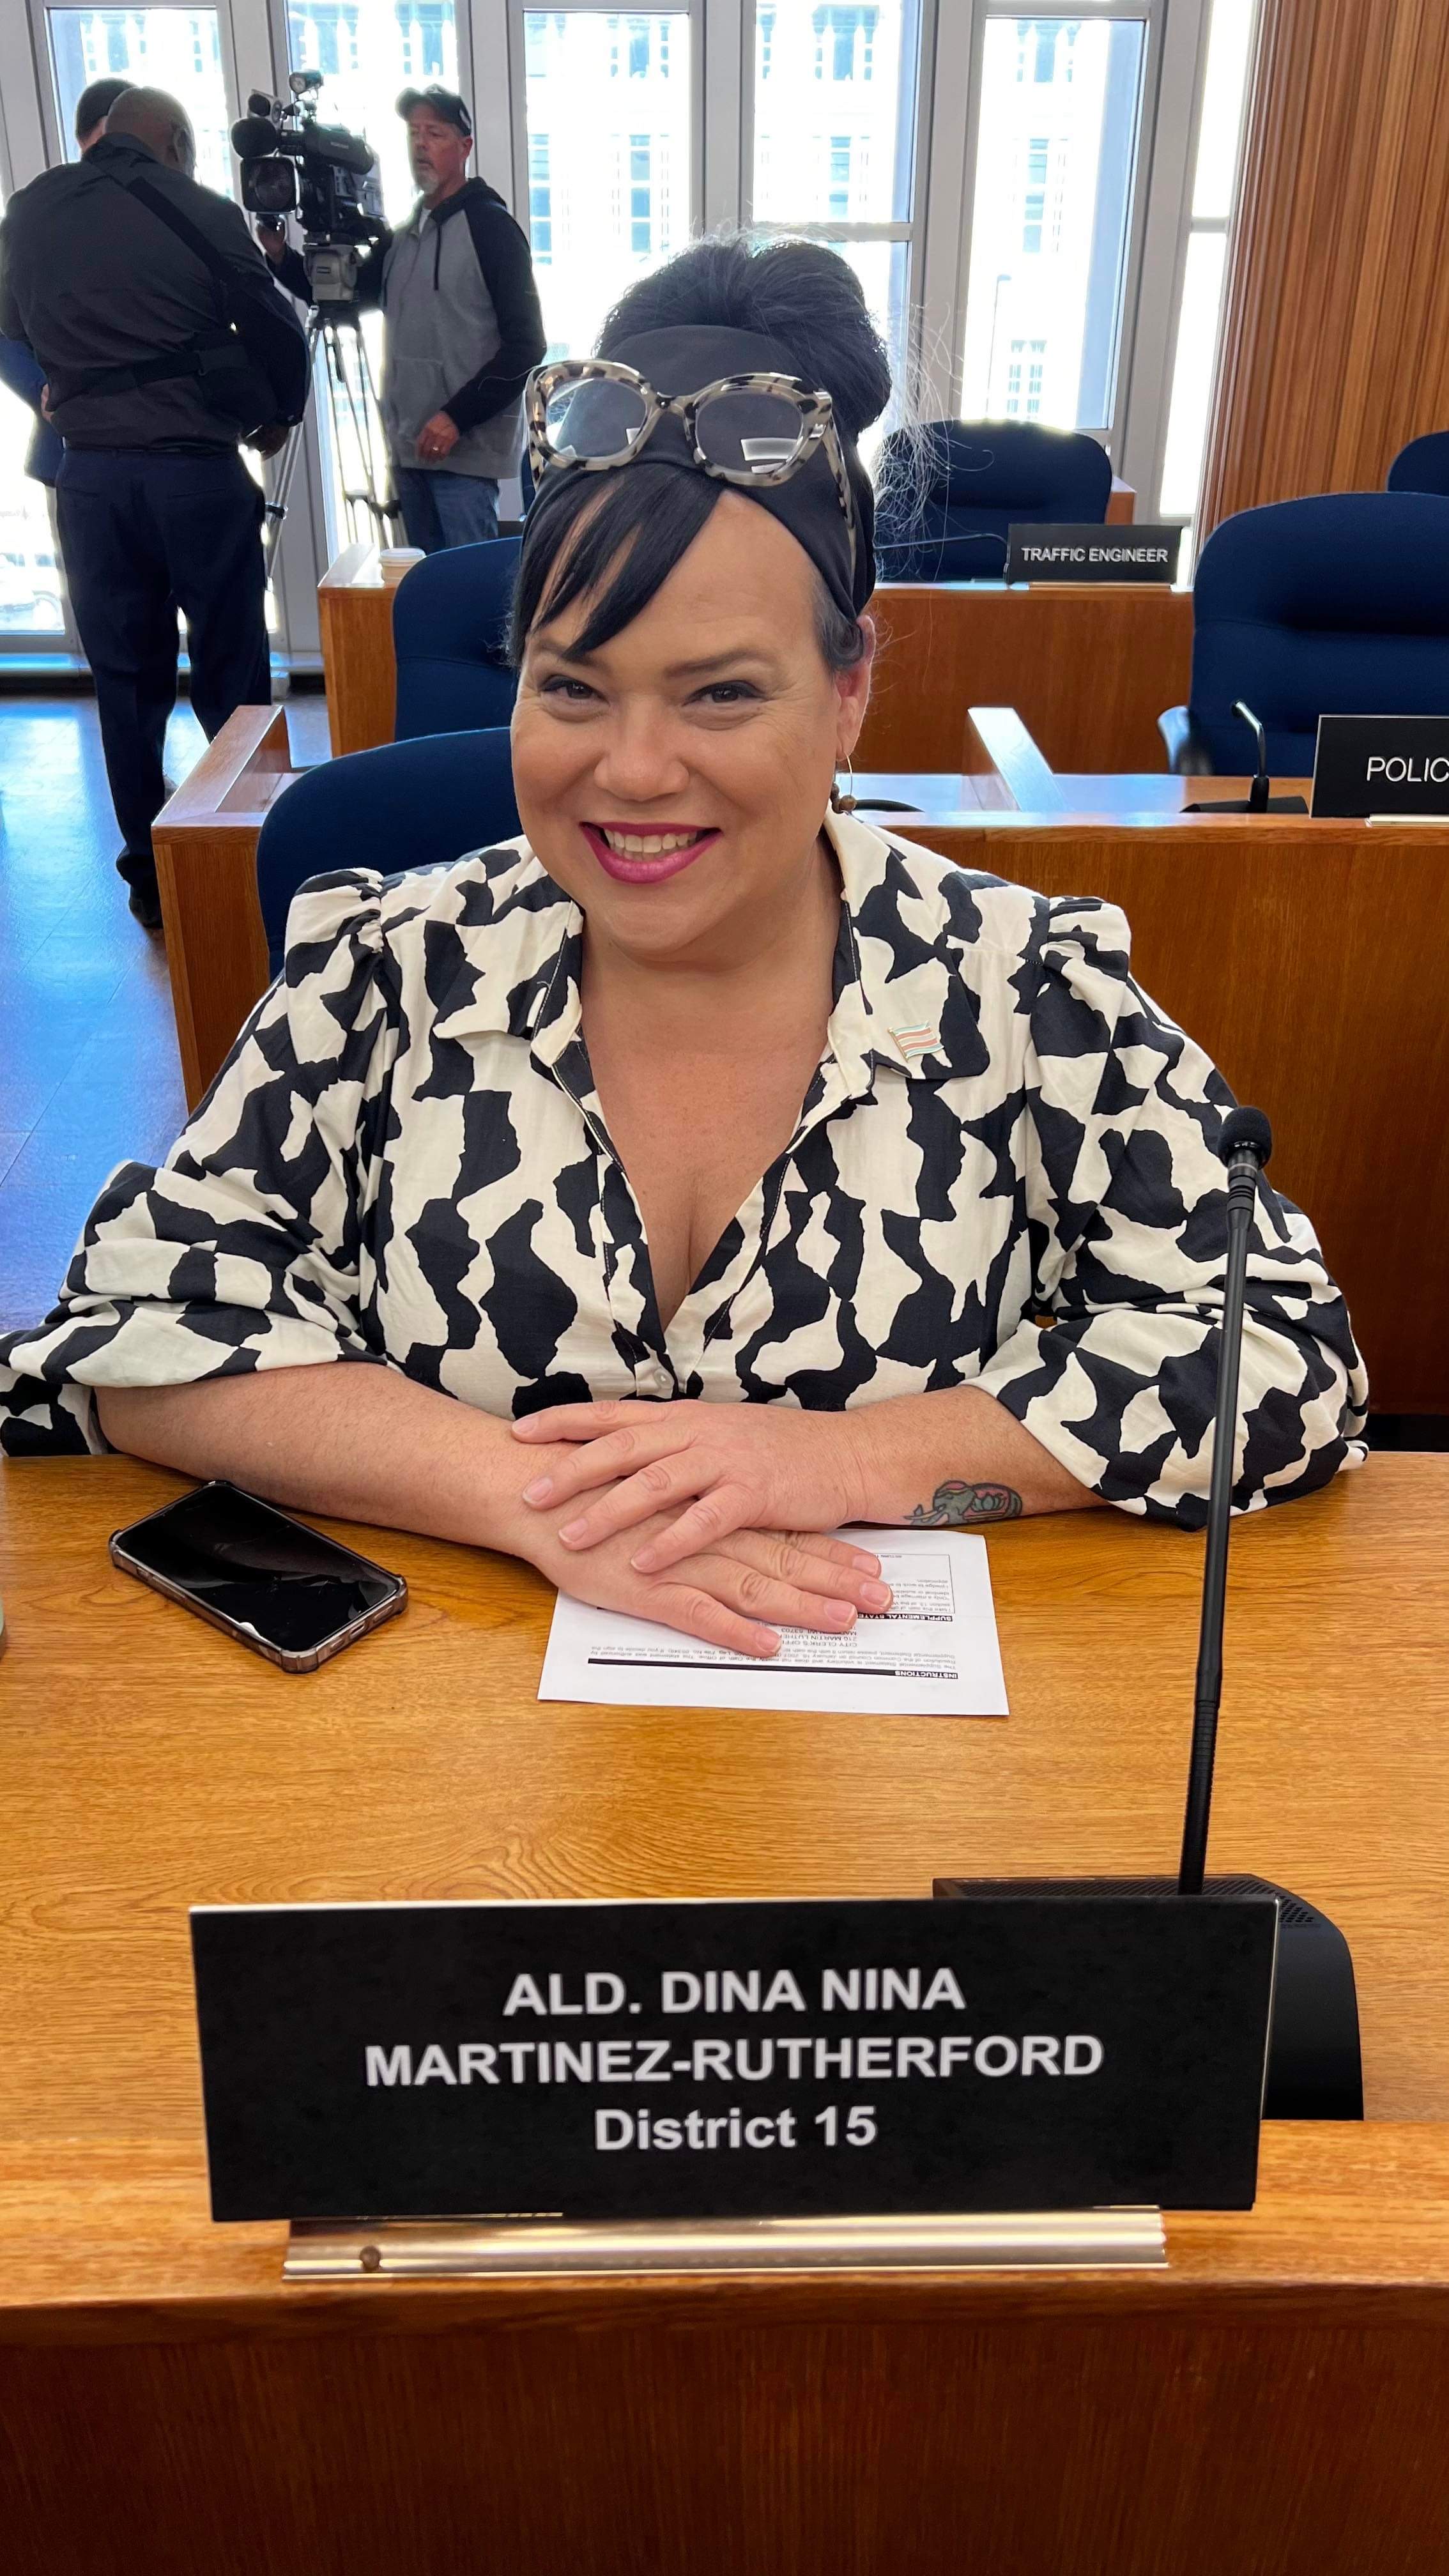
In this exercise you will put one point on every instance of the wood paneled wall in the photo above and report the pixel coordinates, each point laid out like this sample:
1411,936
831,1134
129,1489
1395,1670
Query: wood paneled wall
1336,329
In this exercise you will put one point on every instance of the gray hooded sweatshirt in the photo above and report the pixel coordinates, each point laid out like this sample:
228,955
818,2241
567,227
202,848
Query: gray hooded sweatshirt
463,329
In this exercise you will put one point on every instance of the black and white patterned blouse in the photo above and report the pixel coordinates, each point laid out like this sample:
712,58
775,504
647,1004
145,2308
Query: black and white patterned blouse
1003,1175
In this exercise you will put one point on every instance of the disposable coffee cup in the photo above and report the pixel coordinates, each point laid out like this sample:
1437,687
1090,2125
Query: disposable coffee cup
394,561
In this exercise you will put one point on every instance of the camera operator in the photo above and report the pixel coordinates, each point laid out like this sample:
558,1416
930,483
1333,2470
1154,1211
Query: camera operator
165,344
464,331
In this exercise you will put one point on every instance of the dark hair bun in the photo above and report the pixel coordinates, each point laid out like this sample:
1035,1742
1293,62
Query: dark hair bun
797,292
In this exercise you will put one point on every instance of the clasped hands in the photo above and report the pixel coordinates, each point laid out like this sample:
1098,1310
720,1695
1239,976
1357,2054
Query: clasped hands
706,1517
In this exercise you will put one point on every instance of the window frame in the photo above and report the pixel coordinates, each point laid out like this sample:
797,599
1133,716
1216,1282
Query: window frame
514,12
936,232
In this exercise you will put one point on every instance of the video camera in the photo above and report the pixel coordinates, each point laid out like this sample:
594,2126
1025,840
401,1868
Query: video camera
322,173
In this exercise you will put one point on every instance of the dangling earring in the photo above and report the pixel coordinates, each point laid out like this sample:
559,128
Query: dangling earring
844,804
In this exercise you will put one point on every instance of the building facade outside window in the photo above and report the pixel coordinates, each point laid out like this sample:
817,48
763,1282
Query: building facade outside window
1056,166
1028,359
607,103
540,201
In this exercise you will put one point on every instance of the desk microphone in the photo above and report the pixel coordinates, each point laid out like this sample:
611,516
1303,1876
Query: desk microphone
1314,2069
1259,799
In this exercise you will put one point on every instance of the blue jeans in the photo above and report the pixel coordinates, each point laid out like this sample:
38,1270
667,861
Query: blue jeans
442,509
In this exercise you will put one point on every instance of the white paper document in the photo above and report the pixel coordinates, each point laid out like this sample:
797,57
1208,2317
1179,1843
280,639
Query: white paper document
934,1654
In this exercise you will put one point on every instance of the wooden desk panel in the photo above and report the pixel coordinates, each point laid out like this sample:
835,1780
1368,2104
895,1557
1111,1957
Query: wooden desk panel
1273,2401
205,840
1309,959
1089,668
358,662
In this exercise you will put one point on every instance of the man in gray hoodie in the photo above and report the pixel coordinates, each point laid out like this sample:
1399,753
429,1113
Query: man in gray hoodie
456,286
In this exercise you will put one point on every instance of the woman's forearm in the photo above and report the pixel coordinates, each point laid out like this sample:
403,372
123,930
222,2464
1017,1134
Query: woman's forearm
357,1441
956,1460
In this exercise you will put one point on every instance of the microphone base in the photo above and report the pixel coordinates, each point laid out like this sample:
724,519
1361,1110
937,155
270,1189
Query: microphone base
1315,2067
1244,805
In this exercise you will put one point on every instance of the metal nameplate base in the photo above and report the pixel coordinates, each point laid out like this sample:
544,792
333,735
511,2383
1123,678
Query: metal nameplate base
464,2249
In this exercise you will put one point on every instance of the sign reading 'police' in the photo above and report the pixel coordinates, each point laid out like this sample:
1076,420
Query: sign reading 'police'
732,2060
1381,765
1092,553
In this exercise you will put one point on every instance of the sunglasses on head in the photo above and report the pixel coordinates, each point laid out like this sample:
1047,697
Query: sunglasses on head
752,430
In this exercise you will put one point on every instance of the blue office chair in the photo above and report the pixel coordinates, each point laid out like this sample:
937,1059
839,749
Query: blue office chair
946,494
450,634
1422,466
1336,606
407,805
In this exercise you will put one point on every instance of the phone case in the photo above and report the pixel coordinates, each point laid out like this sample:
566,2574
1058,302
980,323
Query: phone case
288,1663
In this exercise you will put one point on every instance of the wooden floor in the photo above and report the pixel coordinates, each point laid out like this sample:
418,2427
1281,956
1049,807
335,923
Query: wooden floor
89,1075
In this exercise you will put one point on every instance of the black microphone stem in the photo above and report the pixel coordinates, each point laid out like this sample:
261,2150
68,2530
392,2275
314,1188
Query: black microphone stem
1242,1193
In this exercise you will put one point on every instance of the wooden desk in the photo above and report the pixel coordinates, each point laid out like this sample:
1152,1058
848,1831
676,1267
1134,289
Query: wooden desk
205,841
358,663
1309,959
1090,668
1273,2402
1025,790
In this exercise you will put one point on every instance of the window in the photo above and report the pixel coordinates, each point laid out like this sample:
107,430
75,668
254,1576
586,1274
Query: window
1033,203
368,50
845,43
30,597
540,201
1028,357
1214,180
641,197
617,163
1056,168
834,142
421,27
172,49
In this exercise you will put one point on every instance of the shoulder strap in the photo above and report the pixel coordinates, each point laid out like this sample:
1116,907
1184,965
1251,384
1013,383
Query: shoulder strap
179,224
201,355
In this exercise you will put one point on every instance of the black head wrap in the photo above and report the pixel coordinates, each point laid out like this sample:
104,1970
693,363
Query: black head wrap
685,358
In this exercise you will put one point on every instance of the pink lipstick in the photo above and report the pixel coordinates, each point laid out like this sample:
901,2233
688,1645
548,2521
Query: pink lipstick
652,863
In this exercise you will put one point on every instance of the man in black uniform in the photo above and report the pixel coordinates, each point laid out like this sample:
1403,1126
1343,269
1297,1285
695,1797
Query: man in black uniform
165,344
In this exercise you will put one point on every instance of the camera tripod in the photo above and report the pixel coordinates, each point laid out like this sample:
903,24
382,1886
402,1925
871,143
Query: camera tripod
356,429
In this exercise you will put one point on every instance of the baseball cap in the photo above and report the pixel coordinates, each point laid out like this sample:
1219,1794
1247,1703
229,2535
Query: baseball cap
443,102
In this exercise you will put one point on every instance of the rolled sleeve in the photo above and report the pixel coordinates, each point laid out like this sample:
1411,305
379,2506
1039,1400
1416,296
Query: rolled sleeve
243,1251
1127,1202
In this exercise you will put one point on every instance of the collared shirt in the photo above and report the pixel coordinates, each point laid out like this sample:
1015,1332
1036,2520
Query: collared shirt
1003,1175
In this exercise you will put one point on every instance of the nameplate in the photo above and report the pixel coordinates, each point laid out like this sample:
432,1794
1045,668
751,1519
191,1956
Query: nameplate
1092,554
807,2059
1381,765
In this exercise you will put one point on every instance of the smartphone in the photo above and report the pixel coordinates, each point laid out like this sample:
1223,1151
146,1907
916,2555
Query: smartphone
270,1582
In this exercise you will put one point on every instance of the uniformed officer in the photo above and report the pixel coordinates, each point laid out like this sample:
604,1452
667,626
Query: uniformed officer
165,346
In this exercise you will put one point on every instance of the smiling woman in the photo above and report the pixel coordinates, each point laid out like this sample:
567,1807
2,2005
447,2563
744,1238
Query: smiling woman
704,1170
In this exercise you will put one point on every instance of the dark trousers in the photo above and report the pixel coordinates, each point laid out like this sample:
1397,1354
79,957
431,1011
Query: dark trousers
143,535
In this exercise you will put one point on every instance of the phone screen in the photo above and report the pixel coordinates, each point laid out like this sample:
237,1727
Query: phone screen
257,1569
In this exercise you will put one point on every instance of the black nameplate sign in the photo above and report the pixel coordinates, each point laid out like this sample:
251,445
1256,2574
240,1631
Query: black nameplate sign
814,2058
1381,765
1092,554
